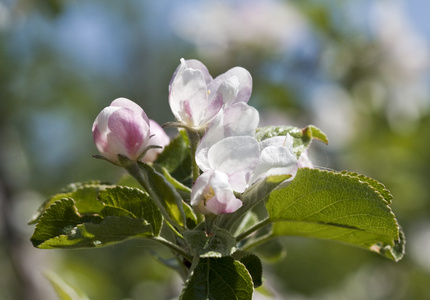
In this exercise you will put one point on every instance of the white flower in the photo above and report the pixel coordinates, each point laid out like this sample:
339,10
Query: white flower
195,98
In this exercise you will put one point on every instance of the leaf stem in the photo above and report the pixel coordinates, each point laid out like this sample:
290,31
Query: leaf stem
253,228
257,241
133,169
209,223
174,247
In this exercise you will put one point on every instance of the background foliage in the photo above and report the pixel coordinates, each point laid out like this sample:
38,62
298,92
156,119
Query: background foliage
356,69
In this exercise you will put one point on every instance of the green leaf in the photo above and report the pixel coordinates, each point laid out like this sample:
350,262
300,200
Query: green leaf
374,183
302,137
190,215
176,158
85,195
134,203
126,213
336,206
271,251
219,243
254,267
63,289
110,231
182,189
218,278
252,196
164,194
59,219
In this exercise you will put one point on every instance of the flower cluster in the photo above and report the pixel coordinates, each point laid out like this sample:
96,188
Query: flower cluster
229,157
209,222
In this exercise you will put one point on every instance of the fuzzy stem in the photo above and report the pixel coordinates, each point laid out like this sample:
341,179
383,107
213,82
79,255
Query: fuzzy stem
209,223
252,229
257,242
133,169
194,139
174,247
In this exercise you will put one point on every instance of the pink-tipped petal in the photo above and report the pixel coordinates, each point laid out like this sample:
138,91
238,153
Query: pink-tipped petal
129,133
212,193
126,103
121,128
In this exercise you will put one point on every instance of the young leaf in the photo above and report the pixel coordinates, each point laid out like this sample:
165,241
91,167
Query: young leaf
218,278
127,213
220,243
182,189
254,267
59,219
63,289
302,137
163,192
176,158
110,231
339,207
84,193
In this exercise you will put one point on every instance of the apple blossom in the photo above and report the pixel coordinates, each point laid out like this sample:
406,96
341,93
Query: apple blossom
195,97
124,128
212,193
228,168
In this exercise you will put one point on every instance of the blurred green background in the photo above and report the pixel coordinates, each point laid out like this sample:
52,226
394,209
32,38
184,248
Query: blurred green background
359,70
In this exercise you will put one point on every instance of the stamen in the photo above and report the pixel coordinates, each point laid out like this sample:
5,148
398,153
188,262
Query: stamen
209,195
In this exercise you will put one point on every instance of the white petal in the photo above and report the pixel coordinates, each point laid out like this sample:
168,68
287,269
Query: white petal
304,161
245,83
239,119
188,97
237,157
278,141
275,160
214,134
228,90
200,187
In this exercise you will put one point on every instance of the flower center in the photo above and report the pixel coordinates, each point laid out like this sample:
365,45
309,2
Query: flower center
209,195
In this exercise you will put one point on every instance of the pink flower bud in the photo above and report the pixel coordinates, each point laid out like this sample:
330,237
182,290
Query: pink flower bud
158,138
121,128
